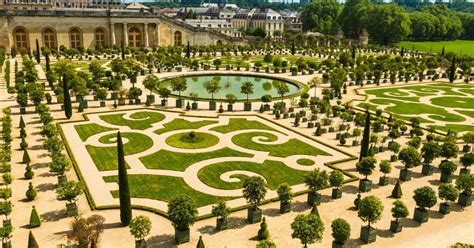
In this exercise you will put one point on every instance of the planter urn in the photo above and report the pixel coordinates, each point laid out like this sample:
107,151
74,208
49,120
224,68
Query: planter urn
368,235
140,243
405,175
420,215
181,236
446,178
465,200
365,185
285,207
194,105
230,107
466,148
71,209
150,98
336,244
221,224
102,104
314,198
179,103
336,193
444,208
212,105
383,180
427,169
247,106
254,215
395,226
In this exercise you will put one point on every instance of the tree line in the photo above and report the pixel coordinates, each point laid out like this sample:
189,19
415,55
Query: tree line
386,23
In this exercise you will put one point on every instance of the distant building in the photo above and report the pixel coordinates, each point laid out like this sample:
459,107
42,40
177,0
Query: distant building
292,21
267,19
218,25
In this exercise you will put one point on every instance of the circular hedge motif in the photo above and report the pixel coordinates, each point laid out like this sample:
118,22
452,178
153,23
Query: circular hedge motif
192,140
305,161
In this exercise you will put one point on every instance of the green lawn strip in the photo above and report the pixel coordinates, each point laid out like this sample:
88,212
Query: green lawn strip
405,108
274,172
105,158
183,140
144,119
179,124
408,118
455,46
396,94
164,188
467,91
292,147
455,127
454,102
305,161
87,130
241,124
466,112
167,160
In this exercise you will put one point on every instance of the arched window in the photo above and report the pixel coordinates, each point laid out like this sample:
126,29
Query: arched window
134,37
21,38
49,38
75,36
100,37
178,38
219,43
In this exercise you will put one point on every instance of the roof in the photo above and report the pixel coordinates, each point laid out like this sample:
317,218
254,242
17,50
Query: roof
136,6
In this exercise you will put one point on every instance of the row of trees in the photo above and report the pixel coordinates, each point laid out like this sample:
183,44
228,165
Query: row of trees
6,206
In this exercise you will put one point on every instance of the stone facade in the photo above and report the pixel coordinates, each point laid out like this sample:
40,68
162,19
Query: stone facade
89,28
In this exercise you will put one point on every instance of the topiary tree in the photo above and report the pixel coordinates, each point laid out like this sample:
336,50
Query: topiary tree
447,170
182,212
465,183
385,168
341,231
31,192
370,211
307,228
32,241
448,193
284,195
425,197
410,158
468,138
336,179
200,243
124,191
266,244
35,220
399,210
316,180
263,232
395,148
449,149
397,190
254,192
366,166
429,152
69,191
221,211
364,148
6,208
140,227
466,160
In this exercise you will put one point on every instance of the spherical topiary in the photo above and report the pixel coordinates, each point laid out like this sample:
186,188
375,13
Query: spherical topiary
31,192
263,232
341,230
28,173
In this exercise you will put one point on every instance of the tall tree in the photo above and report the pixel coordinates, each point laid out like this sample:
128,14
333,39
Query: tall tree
388,23
364,148
354,17
321,16
124,191
67,97
37,53
452,70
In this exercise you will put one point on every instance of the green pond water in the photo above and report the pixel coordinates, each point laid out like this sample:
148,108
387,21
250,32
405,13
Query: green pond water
230,84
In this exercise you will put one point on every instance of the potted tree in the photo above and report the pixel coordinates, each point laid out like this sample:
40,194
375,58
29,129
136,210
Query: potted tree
140,227
466,160
395,148
101,94
447,170
254,192
194,97
164,94
425,197
449,149
448,193
399,210
6,208
410,158
247,89
217,63
151,82
316,180
231,99
429,152
341,232
469,139
266,99
308,228
179,84
465,183
370,210
385,168
212,87
69,191
365,167
182,213
336,179
221,211
284,195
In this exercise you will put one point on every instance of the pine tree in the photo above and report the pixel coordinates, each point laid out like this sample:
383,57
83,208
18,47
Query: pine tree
293,48
397,190
452,70
32,241
46,58
364,148
67,98
124,192
200,243
402,52
353,53
263,232
37,54
35,220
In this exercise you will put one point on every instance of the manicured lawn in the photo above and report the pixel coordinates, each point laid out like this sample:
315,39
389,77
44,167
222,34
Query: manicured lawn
185,141
179,124
167,160
241,124
466,112
164,188
455,127
305,161
274,172
456,46
87,130
141,120
105,158
454,102
292,147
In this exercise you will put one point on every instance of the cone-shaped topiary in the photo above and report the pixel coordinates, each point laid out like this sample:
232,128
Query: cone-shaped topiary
124,191
67,98
23,133
397,190
80,108
364,148
263,232
35,220
315,210
22,122
28,173
26,157
31,192
32,241
200,243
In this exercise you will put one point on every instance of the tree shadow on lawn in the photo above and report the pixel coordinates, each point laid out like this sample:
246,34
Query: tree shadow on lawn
47,174
208,230
236,222
36,147
272,212
45,187
54,215
164,240
300,207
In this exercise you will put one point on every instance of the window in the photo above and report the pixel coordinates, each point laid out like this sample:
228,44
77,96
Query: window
49,39
21,38
178,39
75,36
100,37
134,37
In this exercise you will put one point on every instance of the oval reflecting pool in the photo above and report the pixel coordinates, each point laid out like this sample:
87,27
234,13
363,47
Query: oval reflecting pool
231,84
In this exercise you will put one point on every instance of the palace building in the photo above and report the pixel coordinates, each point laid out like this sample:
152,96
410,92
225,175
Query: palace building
88,24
